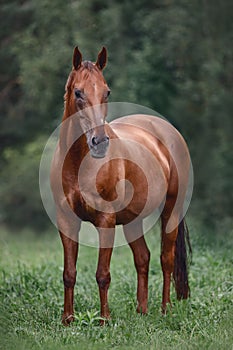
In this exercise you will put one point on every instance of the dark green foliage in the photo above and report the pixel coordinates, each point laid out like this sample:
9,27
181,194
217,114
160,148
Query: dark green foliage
175,57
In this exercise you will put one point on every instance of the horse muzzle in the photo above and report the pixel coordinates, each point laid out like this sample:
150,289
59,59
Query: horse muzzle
99,146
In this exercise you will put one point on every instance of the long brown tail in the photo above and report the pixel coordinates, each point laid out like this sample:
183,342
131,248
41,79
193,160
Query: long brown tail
180,273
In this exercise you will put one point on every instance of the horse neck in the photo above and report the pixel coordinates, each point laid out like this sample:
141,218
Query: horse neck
72,138
68,110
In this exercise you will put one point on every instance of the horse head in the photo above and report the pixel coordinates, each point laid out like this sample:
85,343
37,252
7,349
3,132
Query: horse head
87,94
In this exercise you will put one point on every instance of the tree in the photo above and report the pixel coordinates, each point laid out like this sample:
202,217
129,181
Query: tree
174,57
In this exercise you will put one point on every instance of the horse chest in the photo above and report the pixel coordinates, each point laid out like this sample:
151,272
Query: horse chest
94,198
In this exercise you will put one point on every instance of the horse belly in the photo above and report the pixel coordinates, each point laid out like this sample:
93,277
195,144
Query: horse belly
149,187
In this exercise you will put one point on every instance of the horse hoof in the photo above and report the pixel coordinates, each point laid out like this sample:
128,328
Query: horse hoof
66,320
166,308
142,310
104,321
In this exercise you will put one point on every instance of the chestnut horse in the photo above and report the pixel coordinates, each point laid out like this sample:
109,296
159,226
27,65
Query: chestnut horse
166,166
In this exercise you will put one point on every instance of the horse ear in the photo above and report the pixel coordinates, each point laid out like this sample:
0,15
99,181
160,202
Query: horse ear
102,58
77,58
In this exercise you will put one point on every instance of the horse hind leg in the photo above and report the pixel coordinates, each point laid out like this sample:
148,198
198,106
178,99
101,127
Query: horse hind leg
167,259
174,260
135,238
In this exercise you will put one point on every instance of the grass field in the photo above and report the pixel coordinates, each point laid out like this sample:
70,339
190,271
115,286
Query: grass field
31,298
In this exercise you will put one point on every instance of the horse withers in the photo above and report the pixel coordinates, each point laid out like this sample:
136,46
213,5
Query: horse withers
118,173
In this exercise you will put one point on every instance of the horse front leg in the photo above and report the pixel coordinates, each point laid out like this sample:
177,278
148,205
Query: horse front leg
69,277
103,276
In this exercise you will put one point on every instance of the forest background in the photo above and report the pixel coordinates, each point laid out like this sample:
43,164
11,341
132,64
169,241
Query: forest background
175,57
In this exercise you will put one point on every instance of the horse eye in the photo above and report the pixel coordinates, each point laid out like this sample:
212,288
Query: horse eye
78,94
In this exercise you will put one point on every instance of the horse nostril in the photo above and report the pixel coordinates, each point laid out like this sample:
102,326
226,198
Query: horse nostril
94,141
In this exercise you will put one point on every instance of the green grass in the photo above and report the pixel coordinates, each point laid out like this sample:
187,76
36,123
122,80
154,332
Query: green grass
31,298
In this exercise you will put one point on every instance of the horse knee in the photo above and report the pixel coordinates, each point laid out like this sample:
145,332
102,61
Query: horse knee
103,280
69,278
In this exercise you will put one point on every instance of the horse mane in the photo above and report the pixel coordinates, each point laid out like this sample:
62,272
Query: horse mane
89,66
